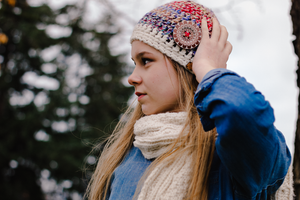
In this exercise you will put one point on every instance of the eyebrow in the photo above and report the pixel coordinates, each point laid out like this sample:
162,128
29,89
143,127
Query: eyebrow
141,54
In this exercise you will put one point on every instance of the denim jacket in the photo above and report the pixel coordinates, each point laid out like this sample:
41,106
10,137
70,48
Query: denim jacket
251,157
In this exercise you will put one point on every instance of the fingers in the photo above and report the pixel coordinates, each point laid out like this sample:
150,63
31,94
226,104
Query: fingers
216,30
204,29
223,36
219,33
213,52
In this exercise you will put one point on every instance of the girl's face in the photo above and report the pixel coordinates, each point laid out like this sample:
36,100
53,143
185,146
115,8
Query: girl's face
154,79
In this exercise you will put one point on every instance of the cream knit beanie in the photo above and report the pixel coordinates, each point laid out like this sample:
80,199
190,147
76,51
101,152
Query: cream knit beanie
174,29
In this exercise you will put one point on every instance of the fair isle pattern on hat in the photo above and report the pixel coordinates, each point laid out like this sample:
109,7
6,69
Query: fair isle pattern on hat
174,29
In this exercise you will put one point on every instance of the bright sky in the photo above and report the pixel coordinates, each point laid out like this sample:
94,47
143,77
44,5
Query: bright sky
261,35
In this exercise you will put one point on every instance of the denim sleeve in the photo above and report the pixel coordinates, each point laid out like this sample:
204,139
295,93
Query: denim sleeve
248,144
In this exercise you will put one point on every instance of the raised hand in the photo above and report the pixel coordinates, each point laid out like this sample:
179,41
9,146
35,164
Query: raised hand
213,52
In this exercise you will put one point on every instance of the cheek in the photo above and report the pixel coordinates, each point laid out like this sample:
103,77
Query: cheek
170,90
173,85
157,81
174,92
164,83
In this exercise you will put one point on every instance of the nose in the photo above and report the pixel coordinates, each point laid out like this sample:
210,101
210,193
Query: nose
134,78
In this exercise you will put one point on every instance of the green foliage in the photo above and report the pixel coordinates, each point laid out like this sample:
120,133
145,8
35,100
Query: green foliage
52,131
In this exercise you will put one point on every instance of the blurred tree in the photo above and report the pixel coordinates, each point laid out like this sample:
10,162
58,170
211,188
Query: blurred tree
59,85
295,10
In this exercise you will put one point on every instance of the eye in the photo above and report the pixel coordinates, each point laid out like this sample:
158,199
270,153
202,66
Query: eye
146,60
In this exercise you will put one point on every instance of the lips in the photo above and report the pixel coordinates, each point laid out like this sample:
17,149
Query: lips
140,95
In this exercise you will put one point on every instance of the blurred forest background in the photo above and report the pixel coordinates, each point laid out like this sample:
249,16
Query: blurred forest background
58,95
61,91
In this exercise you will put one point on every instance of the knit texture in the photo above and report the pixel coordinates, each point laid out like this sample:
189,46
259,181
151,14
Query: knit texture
170,180
286,190
153,135
157,27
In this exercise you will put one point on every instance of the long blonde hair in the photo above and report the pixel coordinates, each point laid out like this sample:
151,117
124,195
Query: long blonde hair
199,142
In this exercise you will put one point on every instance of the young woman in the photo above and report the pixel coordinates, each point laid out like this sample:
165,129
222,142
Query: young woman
199,131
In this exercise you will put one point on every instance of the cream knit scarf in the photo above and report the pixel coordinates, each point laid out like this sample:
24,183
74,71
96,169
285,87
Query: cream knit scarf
170,180
153,135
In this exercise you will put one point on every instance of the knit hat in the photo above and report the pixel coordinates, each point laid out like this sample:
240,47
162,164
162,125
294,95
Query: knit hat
174,29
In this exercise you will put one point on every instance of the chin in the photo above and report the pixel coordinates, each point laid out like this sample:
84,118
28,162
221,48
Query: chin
152,111
148,111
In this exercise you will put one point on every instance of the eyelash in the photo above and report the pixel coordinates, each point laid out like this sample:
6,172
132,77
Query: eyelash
144,60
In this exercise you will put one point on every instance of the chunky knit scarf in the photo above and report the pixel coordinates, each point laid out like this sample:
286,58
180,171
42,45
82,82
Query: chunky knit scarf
170,180
153,135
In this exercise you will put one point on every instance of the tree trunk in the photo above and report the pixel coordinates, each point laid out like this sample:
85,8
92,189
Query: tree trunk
295,14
